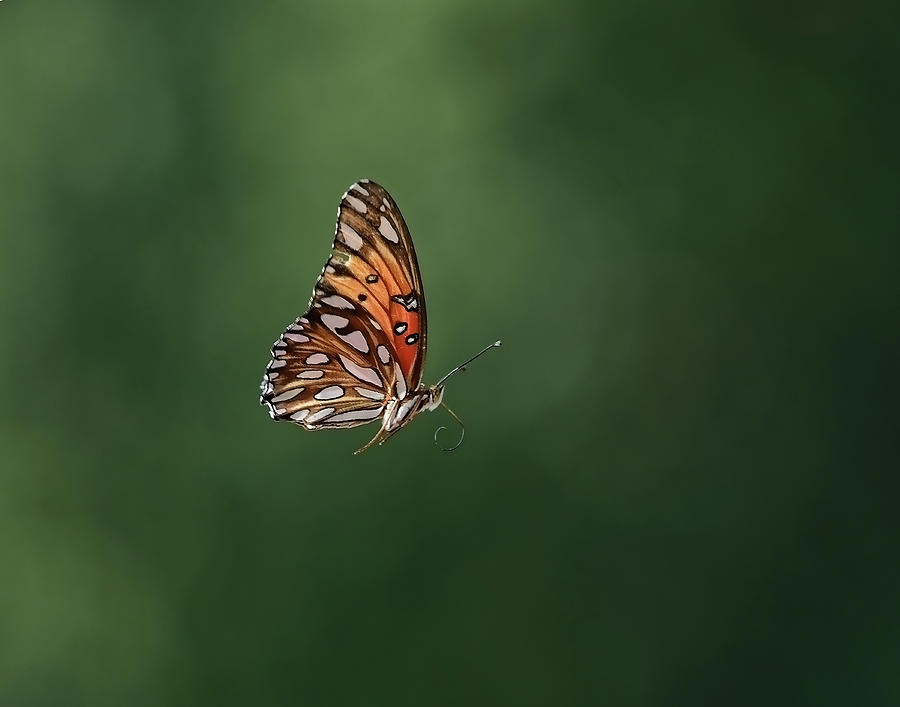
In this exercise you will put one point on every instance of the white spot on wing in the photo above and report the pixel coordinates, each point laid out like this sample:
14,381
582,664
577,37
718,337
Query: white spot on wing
316,416
316,359
367,375
329,393
353,240
383,353
387,230
401,381
359,188
356,340
356,415
310,375
370,394
287,395
333,321
299,338
278,363
375,324
356,203
300,415
338,302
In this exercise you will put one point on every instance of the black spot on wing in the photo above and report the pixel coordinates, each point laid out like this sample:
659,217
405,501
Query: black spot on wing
410,302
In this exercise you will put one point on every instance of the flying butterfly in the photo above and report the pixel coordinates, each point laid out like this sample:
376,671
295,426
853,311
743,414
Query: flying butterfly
357,355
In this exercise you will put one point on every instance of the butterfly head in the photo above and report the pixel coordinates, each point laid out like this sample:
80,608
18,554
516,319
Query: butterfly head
435,397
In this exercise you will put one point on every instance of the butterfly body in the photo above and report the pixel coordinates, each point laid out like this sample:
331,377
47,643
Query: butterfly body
357,355
399,412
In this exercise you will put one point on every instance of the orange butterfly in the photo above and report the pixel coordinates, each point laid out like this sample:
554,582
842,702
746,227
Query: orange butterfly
358,353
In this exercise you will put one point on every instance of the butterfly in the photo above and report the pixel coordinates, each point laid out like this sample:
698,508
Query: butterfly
357,355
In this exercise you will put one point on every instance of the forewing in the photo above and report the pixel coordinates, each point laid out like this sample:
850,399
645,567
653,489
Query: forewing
373,266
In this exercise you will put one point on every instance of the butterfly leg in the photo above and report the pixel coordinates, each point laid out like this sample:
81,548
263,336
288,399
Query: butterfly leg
462,431
379,438
367,444
383,436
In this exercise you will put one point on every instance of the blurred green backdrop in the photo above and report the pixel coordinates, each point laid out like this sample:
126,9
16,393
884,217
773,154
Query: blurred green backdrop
679,484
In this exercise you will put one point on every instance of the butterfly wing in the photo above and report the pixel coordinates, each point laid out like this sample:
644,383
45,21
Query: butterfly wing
319,380
362,340
373,257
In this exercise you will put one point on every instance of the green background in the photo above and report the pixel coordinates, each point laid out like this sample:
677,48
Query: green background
680,480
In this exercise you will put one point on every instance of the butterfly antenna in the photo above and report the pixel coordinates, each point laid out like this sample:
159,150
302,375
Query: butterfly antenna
462,367
462,430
